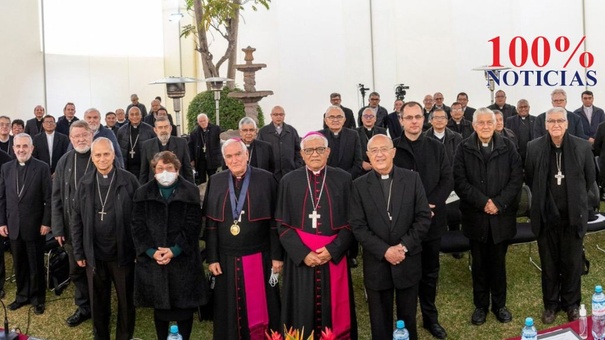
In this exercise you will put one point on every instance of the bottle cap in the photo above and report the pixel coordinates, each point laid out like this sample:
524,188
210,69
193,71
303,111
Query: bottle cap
582,310
529,322
400,324
598,289
174,329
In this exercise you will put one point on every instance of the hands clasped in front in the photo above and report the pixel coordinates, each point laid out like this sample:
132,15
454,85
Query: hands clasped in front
395,254
318,257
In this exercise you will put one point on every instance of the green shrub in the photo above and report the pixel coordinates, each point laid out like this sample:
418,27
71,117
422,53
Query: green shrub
231,110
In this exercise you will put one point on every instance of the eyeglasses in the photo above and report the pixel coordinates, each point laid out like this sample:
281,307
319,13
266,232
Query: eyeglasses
82,135
320,150
383,150
374,98
368,116
247,130
522,107
457,110
278,114
439,117
4,125
485,123
410,118
335,117
556,121
437,98
558,100
49,122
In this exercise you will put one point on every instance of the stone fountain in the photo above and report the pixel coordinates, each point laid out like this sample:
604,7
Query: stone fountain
250,97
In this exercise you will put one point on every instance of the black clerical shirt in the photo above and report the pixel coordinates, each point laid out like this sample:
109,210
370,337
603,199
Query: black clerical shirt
105,240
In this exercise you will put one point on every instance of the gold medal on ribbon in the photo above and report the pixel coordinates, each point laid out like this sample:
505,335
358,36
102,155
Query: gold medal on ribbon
234,229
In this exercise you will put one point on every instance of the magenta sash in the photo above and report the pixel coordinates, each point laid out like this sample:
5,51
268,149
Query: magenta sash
256,297
339,286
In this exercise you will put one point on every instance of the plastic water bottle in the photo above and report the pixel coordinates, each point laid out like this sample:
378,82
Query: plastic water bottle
400,333
174,333
598,314
529,332
583,322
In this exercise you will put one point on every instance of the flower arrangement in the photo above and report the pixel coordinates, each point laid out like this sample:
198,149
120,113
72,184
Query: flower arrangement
295,334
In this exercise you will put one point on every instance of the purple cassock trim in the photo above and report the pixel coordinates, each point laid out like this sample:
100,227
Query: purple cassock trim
256,297
339,286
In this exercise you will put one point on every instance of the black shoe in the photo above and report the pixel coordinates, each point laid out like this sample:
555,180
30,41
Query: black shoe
16,305
2,293
353,263
436,330
479,316
549,316
76,319
503,315
39,309
573,314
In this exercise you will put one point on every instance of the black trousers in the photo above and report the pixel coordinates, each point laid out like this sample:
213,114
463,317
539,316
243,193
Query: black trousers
28,257
99,283
489,274
380,303
427,289
560,250
2,264
78,277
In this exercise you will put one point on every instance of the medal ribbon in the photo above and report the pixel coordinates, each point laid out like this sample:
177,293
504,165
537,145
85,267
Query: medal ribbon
238,205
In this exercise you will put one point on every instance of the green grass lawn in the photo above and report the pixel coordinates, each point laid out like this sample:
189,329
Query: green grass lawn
454,301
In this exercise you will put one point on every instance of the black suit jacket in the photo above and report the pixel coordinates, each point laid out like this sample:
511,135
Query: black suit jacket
31,127
507,110
349,153
261,155
177,145
514,122
468,113
60,145
286,148
213,155
26,214
394,126
376,233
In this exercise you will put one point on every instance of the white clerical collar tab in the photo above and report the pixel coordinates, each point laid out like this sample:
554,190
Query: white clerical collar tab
384,176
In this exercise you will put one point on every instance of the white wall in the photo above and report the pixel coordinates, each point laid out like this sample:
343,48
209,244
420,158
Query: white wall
311,47
316,47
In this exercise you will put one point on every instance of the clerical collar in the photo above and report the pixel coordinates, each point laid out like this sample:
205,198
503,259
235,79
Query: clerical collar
121,122
387,176
239,178
5,140
316,173
25,163
523,117
278,126
135,126
108,174
552,142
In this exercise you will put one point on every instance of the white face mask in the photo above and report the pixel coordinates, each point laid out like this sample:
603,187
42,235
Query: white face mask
166,178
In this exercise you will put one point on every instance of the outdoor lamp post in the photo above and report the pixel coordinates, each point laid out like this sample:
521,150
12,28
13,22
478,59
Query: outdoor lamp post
216,85
175,87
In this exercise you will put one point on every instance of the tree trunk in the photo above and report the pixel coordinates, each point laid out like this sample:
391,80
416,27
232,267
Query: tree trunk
207,64
234,29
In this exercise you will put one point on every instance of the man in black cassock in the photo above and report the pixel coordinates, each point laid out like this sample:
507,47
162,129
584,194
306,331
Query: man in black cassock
426,156
205,148
312,221
25,218
367,131
390,215
560,171
102,239
260,152
243,247
131,136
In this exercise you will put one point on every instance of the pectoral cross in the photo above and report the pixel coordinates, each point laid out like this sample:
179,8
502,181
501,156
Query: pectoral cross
204,149
559,176
102,212
240,216
314,216
132,153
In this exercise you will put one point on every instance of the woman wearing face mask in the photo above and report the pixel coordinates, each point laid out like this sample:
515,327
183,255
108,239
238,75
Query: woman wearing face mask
169,275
